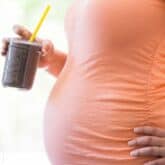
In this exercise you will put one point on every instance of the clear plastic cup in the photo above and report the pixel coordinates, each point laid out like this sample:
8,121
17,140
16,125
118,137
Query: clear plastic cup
21,64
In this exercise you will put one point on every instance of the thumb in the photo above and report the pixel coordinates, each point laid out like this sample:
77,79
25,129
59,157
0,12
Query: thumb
22,32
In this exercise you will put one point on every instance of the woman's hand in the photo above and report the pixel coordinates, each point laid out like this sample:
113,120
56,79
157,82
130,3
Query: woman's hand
47,46
51,58
151,143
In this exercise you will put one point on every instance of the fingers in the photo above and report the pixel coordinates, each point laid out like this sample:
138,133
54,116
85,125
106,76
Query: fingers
5,44
47,46
150,131
153,142
147,141
148,151
47,51
156,162
22,32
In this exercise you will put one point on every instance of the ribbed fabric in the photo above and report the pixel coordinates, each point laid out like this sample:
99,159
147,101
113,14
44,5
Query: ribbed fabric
113,81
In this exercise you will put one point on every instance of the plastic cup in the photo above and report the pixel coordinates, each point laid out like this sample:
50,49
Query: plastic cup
21,64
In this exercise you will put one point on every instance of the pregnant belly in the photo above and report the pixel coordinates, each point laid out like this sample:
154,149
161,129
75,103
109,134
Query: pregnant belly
111,86
90,123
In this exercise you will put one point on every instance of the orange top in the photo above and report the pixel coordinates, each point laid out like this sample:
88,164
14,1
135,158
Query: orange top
113,81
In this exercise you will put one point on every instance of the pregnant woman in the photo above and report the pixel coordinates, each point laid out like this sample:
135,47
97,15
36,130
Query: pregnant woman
111,81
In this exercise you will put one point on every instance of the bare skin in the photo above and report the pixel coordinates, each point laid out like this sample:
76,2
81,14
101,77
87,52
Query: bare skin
53,60
151,142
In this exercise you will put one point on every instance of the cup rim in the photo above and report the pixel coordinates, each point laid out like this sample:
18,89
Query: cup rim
24,42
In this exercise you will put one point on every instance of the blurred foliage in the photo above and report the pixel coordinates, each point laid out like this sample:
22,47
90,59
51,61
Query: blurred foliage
33,8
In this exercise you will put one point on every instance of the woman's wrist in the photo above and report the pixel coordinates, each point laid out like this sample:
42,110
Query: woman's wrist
56,62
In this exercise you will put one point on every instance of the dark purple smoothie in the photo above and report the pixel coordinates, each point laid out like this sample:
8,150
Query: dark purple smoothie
21,64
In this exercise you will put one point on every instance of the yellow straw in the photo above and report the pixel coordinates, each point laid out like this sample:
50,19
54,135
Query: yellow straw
45,13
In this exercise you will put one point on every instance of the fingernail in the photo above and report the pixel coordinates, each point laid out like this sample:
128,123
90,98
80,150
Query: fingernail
134,153
136,130
148,163
131,143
